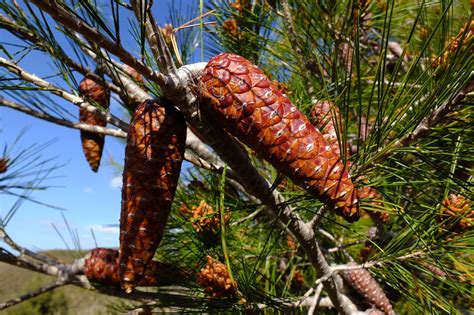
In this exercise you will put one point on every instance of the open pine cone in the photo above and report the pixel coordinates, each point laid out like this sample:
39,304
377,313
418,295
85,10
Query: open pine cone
215,279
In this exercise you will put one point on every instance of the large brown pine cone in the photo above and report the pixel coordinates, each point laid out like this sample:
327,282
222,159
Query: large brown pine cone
248,106
363,282
215,279
327,118
102,266
93,143
153,157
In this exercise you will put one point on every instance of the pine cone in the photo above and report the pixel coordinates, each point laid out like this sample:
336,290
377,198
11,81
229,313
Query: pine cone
325,116
205,220
102,266
457,208
4,164
215,279
153,156
252,109
93,143
363,282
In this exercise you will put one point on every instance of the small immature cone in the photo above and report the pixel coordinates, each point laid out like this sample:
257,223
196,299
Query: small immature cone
93,143
363,282
205,220
215,279
102,266
249,106
153,157
457,208
326,116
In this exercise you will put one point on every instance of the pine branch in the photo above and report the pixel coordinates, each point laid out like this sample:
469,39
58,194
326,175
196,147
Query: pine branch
62,122
425,126
69,20
142,9
76,100
51,286
40,43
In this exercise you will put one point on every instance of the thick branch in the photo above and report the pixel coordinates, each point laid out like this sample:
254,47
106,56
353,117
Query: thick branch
62,122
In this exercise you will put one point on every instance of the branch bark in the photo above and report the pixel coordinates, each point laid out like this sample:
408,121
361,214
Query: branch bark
46,86
62,122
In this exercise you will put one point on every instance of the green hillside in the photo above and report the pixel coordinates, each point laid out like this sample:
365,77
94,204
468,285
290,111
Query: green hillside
65,300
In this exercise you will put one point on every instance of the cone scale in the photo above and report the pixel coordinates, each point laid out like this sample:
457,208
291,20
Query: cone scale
252,109
153,157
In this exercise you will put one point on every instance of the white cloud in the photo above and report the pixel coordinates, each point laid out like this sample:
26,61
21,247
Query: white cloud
105,229
88,190
116,182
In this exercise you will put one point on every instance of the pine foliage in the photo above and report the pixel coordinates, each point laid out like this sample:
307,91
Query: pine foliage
400,77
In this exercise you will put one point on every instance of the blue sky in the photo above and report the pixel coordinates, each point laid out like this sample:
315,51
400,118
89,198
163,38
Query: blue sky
92,200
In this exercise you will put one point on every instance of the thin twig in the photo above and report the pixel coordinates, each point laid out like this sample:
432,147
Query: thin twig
43,45
69,20
46,86
51,286
62,122
155,38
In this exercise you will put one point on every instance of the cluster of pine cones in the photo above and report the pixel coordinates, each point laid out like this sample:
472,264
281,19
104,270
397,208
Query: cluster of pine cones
215,279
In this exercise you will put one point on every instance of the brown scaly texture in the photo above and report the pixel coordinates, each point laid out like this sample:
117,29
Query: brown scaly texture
93,143
215,279
206,220
102,266
457,208
3,164
327,118
153,156
363,282
248,106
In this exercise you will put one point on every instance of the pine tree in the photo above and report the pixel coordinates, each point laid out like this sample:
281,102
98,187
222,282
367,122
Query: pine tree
254,224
